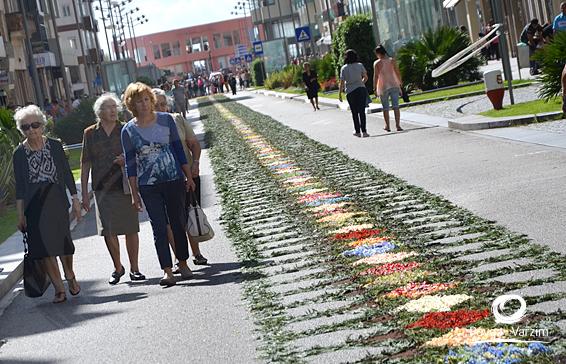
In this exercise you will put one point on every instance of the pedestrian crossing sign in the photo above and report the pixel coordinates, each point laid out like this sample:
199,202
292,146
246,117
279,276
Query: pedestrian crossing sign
303,34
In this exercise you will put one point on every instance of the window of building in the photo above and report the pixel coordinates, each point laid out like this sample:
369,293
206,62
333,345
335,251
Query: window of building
228,40
75,74
165,50
199,66
66,10
197,46
176,48
217,41
236,37
205,45
188,46
56,8
73,42
222,63
156,52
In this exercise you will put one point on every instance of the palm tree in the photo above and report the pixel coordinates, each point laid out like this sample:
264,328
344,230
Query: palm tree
418,58
552,58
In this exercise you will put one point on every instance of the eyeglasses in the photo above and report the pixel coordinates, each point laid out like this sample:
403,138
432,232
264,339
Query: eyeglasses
34,125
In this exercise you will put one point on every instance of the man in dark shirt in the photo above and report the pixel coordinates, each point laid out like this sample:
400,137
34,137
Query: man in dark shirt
102,158
528,36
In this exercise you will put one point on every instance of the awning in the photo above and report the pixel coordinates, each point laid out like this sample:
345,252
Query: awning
450,3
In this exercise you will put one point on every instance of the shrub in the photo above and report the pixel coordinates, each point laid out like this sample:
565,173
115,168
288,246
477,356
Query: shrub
552,59
148,81
275,80
355,33
418,58
291,75
70,128
9,140
258,75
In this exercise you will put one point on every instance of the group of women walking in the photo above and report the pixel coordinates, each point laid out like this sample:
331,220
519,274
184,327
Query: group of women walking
387,85
153,158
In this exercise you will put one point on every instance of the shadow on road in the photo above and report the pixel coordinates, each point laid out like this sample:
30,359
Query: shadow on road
27,316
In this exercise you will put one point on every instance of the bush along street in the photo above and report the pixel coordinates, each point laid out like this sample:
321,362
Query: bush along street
343,262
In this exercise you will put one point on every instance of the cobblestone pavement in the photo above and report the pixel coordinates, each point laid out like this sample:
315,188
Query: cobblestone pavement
457,108
558,126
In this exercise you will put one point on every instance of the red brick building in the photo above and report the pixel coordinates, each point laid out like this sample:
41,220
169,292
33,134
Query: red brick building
201,48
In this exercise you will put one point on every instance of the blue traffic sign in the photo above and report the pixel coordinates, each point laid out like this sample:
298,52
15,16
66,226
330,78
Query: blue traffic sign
303,34
248,57
258,48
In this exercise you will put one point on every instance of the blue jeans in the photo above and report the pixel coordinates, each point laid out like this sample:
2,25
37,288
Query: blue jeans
392,93
165,204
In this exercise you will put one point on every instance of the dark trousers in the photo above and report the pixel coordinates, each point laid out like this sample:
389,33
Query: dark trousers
357,101
165,203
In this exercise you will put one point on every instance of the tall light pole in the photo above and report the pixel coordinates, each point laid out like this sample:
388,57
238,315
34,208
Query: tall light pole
503,49
31,60
81,43
100,7
374,22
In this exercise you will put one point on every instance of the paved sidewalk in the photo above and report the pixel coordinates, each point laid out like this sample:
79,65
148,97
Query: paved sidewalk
201,320
517,184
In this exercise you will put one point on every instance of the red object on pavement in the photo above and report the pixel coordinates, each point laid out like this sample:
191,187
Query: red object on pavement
496,98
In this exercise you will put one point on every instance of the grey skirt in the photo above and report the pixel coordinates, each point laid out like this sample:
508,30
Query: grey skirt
115,214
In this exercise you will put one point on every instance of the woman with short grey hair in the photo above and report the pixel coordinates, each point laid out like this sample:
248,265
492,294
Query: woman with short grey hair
103,160
43,175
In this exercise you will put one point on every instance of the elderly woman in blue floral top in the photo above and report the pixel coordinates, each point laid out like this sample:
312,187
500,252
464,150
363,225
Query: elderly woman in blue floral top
157,169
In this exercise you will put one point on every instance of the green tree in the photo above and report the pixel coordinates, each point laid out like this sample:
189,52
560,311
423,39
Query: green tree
552,59
418,58
148,81
9,140
71,127
257,72
355,33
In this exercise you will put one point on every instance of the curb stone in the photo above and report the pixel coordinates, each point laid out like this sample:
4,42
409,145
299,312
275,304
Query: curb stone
478,122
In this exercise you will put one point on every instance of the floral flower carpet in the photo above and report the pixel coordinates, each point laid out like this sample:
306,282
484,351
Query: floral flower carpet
344,263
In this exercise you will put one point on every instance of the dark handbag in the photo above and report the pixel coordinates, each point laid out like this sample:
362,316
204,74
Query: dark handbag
36,281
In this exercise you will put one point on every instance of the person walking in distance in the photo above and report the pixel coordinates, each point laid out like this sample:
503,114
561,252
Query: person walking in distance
387,85
157,168
310,79
179,96
102,158
42,175
353,76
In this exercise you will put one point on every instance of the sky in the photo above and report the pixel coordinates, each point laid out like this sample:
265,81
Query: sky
173,14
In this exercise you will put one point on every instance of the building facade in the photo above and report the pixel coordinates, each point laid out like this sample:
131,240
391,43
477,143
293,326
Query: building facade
195,50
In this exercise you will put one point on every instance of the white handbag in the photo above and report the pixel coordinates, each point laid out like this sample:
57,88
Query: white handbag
198,227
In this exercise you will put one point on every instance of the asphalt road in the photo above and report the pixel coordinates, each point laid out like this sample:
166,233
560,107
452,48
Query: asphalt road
201,320
519,185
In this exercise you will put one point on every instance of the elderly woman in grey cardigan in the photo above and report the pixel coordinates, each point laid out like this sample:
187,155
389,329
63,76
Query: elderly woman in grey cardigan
43,175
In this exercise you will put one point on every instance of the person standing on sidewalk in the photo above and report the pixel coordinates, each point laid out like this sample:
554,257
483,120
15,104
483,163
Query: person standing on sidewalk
42,176
191,147
115,215
353,76
157,168
564,91
559,23
310,79
179,95
387,85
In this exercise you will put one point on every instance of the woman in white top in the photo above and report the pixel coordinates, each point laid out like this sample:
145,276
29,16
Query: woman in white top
387,85
353,76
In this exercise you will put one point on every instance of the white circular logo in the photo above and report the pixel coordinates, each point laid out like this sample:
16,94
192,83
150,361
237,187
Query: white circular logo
498,305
